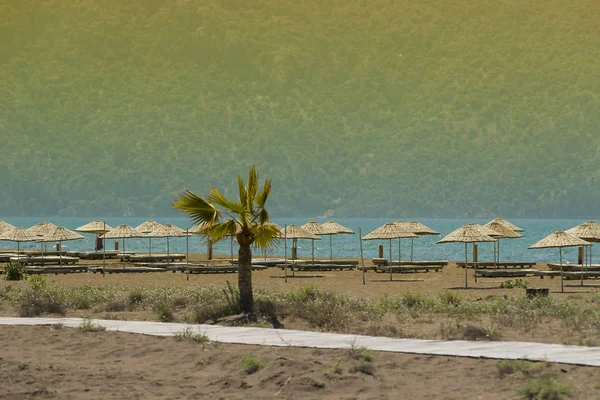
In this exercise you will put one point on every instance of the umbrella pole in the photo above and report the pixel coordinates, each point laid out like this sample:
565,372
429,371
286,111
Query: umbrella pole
562,288
313,252
362,260
104,251
60,252
168,252
231,244
495,265
187,247
149,246
331,249
412,244
583,266
390,261
466,265
123,258
294,244
285,252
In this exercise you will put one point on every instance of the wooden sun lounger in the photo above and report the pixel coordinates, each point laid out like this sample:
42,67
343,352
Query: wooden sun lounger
94,255
71,269
212,269
436,263
318,267
155,257
499,265
574,267
409,268
128,270
506,273
46,260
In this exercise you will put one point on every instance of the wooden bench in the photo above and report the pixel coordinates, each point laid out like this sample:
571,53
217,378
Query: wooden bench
510,273
409,268
39,270
152,258
128,270
498,265
574,267
318,267
46,260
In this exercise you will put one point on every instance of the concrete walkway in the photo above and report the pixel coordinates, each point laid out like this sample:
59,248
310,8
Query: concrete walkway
579,355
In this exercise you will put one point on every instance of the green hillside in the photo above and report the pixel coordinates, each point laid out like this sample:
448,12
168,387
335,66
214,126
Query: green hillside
367,108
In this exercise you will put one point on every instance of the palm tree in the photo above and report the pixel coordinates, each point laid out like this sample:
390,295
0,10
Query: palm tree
246,218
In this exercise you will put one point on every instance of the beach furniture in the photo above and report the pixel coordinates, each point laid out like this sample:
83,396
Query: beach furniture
498,264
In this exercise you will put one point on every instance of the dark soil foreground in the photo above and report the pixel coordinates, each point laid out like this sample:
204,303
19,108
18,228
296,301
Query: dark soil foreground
63,363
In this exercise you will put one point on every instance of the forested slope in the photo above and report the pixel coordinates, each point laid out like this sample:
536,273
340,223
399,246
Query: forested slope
368,108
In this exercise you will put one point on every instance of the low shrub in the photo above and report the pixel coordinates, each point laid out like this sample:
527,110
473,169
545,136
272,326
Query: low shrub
546,387
191,335
14,271
251,364
88,326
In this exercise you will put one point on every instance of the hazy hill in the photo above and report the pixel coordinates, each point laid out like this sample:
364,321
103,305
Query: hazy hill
368,108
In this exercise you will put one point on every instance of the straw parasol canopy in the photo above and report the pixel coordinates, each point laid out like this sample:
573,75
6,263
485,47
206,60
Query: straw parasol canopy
42,229
470,233
5,226
484,230
418,229
147,227
333,228
316,229
389,231
18,235
586,231
96,227
560,239
503,233
122,232
60,234
507,224
168,231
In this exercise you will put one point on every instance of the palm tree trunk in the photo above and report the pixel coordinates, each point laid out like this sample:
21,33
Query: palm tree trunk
245,278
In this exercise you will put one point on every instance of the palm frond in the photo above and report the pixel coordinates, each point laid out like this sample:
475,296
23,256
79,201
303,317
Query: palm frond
220,231
266,235
252,187
242,190
262,197
196,207
215,197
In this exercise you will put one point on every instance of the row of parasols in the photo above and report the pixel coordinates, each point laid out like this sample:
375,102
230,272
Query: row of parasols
499,228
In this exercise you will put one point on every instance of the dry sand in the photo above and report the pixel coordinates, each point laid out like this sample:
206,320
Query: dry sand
46,362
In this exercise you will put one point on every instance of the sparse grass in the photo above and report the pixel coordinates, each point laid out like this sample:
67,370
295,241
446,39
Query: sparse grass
362,360
320,309
546,387
57,326
88,326
338,368
509,367
191,335
517,283
251,364
14,271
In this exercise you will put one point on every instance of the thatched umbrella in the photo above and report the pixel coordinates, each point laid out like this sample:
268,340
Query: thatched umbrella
560,239
97,228
5,226
168,231
504,233
42,229
295,232
390,231
122,232
467,234
60,234
147,227
507,224
331,228
590,232
316,229
418,229
18,235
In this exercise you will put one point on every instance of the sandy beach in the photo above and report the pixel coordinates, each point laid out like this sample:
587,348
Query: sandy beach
66,363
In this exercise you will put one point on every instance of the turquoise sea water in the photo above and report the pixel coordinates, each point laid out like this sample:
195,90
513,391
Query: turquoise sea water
425,247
